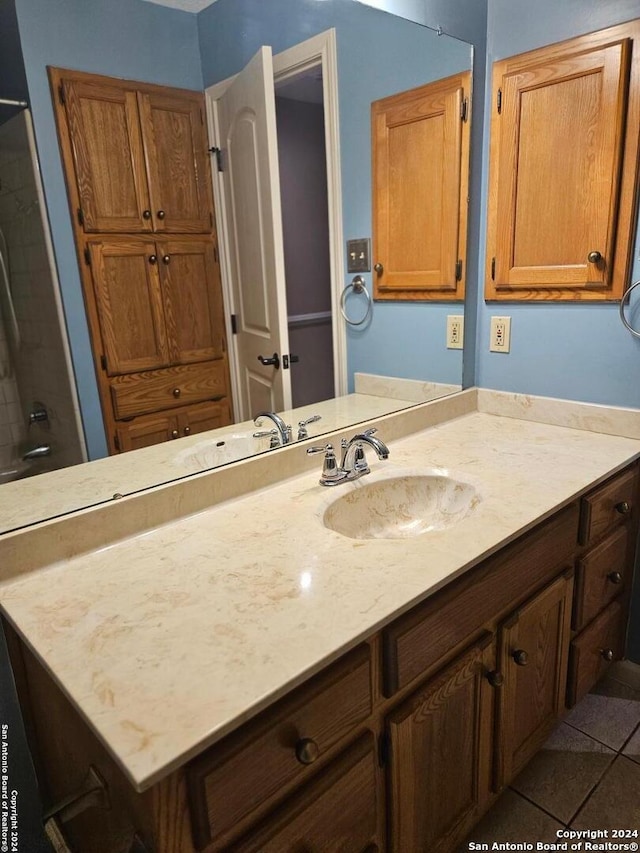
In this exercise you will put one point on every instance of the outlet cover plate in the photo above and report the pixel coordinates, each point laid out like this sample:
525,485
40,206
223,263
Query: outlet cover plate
500,340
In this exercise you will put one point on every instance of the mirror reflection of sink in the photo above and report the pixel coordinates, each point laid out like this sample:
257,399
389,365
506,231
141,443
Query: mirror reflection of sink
401,507
226,448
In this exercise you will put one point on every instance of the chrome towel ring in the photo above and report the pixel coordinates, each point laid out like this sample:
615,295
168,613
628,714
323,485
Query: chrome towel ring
358,286
625,322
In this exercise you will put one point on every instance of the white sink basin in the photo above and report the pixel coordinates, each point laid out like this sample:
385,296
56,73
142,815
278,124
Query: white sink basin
400,507
228,448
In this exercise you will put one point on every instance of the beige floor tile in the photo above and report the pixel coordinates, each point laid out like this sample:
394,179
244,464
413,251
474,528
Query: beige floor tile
561,776
513,819
632,749
615,804
609,714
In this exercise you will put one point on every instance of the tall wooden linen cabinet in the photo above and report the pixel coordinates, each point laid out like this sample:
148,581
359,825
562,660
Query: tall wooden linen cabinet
138,179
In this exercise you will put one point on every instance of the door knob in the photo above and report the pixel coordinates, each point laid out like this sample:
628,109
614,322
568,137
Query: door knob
272,360
615,577
378,268
161,214
624,507
607,654
594,257
166,259
146,214
521,657
495,678
153,259
307,750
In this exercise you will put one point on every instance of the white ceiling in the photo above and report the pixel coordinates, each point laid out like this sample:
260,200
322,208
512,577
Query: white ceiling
185,5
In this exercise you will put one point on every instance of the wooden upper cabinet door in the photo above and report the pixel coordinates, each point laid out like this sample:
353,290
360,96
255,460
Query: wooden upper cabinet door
440,742
561,204
533,654
175,144
420,151
192,298
127,289
106,145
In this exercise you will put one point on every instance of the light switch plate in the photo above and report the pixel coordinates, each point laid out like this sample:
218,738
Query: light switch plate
500,340
359,255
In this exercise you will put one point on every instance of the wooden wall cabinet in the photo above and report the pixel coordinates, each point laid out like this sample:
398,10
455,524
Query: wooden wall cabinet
405,741
420,153
563,169
139,185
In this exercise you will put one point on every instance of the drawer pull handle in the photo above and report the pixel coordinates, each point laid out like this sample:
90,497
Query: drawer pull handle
166,259
174,433
176,392
153,259
146,214
187,430
615,577
161,214
521,657
594,257
624,507
607,654
495,678
307,750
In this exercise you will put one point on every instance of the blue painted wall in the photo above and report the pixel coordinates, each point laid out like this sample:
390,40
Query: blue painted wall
378,55
121,38
579,352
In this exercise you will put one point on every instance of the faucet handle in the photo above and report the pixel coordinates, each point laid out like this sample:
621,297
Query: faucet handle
325,449
331,473
303,432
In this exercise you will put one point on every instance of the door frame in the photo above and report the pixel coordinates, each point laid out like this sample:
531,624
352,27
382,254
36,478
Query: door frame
319,50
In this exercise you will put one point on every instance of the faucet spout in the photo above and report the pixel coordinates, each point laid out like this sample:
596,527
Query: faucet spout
353,459
284,431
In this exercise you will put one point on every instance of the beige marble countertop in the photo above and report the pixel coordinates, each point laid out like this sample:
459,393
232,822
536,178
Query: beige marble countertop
169,639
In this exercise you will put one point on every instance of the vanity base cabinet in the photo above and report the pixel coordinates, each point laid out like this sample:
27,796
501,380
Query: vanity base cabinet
405,741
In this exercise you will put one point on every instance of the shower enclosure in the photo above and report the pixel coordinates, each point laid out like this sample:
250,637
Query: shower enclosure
40,426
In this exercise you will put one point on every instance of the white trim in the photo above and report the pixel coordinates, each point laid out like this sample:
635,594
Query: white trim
322,50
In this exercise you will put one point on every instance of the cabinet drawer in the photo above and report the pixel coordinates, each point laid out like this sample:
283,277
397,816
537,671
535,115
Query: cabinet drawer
339,811
601,575
587,657
233,779
426,635
154,390
608,505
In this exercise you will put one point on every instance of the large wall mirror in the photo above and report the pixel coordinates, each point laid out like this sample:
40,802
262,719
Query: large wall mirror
378,55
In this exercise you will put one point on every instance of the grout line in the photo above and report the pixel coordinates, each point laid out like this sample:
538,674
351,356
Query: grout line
538,806
594,788
597,740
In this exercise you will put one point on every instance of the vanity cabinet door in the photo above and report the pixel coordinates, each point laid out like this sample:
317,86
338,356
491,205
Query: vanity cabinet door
146,431
532,658
440,745
204,417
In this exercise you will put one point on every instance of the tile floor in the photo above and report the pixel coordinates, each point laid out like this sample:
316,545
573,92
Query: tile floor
587,776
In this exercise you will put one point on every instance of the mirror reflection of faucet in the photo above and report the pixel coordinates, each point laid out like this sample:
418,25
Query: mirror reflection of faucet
37,452
354,462
283,431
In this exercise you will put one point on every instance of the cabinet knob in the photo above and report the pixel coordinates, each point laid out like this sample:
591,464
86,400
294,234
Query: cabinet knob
594,257
187,430
161,214
520,657
176,392
153,259
378,268
615,577
166,259
146,214
174,433
495,678
307,750
607,654
624,507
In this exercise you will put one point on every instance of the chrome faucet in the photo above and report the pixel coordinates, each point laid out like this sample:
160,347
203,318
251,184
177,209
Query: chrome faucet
354,462
283,430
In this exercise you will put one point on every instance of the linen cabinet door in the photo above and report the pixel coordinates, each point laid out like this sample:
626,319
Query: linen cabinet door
192,296
532,657
440,745
129,302
176,149
106,147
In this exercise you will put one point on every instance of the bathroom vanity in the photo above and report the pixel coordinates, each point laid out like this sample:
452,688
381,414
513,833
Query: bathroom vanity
241,677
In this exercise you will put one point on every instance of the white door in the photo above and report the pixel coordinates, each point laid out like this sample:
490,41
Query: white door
246,121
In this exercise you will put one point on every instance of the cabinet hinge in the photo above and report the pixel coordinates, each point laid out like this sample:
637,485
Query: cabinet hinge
493,269
499,101
116,441
103,362
234,324
61,94
217,153
464,107
87,256
80,216
383,749
459,270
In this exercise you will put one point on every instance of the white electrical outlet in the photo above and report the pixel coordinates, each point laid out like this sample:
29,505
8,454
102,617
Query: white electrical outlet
455,331
500,334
